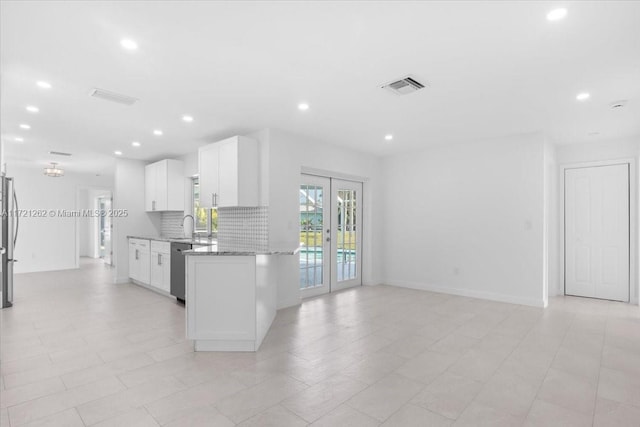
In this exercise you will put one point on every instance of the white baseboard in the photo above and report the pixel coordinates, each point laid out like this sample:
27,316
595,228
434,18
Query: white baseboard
468,293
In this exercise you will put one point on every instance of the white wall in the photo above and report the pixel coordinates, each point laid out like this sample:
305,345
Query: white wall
468,219
85,237
552,226
49,243
128,193
283,157
621,149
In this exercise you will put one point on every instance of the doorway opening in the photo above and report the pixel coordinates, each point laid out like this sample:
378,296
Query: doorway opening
105,228
94,225
330,234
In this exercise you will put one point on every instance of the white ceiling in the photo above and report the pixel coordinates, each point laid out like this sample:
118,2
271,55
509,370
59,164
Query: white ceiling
493,69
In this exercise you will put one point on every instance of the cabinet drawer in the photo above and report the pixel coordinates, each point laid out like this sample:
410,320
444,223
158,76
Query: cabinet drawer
162,247
142,243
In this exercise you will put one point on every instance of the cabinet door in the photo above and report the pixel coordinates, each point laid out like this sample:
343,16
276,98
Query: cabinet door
165,265
156,278
150,187
162,185
208,160
228,171
175,180
144,262
133,261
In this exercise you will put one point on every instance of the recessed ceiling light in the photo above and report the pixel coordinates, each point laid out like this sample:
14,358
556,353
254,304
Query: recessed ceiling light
43,85
583,96
557,14
32,109
303,107
136,144
118,153
388,137
128,44
187,119
18,139
157,132
25,126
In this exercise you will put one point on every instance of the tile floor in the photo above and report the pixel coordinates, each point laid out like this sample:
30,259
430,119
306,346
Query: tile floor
78,350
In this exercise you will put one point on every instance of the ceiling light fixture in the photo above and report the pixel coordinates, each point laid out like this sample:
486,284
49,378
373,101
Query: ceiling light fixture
303,107
43,85
32,109
557,14
128,44
157,132
118,153
18,139
187,119
136,144
54,171
583,96
25,126
388,137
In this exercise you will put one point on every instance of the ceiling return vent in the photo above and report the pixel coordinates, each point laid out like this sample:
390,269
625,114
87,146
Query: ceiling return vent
113,96
404,86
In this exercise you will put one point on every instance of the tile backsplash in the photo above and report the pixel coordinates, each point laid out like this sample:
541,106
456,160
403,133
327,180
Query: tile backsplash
244,229
171,224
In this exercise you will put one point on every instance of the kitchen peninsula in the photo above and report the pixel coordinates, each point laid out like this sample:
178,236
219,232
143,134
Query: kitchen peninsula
231,297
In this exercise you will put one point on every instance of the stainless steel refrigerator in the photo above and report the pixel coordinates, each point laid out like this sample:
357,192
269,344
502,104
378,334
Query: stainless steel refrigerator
9,230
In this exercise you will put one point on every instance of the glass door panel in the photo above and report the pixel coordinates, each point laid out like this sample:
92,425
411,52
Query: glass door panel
314,235
346,234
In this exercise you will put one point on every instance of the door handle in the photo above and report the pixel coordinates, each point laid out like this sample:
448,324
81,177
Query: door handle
136,254
159,259
153,205
328,239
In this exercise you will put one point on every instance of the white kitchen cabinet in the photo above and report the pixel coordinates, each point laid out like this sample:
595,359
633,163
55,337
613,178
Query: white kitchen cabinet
161,265
230,301
139,260
229,173
164,186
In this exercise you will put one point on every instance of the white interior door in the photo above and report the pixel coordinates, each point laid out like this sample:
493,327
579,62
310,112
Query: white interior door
597,232
346,234
315,229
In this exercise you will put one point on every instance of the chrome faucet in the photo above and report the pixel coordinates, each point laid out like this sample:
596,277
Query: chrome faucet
193,220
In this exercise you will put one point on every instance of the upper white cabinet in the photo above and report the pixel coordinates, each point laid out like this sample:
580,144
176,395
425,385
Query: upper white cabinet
164,186
229,173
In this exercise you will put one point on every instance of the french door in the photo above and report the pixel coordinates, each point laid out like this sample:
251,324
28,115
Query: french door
330,235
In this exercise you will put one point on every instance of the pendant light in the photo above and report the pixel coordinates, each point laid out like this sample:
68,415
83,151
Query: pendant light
54,171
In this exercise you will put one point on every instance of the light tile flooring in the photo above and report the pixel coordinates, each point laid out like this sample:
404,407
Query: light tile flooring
78,350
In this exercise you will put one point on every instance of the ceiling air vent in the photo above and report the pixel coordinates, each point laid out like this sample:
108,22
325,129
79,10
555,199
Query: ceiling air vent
404,86
59,153
112,96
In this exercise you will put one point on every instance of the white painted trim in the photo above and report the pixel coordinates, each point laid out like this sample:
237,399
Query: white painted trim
634,286
533,302
332,174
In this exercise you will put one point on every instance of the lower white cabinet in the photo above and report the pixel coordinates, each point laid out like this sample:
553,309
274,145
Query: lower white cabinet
161,265
139,260
230,301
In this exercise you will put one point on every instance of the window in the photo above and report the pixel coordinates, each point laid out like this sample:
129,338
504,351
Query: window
200,214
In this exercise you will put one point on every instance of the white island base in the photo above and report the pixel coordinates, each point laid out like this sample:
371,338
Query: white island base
230,300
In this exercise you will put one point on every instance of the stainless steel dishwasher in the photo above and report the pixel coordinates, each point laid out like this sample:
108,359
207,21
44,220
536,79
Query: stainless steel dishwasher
178,270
